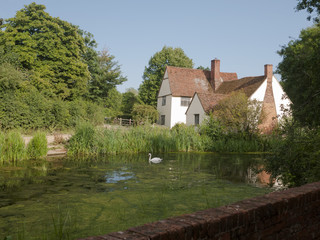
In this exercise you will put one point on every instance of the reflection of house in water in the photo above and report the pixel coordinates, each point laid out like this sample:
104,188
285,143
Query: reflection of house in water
261,178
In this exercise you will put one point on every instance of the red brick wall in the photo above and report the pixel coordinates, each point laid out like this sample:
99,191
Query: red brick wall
288,214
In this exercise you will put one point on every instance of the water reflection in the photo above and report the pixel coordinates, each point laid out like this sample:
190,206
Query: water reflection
119,175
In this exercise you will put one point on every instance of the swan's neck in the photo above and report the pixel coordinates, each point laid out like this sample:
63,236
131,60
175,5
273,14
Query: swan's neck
149,157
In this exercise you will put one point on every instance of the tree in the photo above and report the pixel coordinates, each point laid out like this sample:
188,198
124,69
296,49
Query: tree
113,103
238,114
310,6
300,74
144,114
154,72
104,71
129,99
50,47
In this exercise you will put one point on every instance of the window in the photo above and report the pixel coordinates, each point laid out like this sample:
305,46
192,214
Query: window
163,119
185,101
196,119
164,100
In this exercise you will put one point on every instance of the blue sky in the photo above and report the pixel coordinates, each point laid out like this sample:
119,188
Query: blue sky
244,34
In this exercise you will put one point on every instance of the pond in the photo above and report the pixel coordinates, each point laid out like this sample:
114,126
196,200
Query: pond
71,198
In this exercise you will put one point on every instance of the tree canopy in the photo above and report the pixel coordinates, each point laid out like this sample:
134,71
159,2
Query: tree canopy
50,47
154,72
300,74
51,74
238,114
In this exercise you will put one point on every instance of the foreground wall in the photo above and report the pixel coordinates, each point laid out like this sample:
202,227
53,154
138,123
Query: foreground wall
289,214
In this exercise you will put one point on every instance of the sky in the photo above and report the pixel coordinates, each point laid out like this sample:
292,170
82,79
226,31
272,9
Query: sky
245,35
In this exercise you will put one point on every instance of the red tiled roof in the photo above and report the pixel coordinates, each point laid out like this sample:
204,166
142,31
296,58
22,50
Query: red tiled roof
186,81
248,84
208,101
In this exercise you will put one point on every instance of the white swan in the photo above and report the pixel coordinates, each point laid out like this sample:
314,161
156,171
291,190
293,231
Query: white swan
154,160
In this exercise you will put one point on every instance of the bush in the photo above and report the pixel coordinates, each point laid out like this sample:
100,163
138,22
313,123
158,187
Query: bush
296,160
37,147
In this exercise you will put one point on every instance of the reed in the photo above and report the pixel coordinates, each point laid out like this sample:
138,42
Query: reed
83,141
90,140
37,147
243,144
13,148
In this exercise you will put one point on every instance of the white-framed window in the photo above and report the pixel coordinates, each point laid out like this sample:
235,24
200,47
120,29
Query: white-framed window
164,100
185,101
162,119
196,119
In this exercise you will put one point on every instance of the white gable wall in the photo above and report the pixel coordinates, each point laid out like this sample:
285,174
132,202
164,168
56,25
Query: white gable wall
166,109
165,87
260,92
195,108
178,112
278,94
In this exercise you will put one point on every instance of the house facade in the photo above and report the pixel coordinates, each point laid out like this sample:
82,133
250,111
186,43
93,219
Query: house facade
188,95
177,89
265,89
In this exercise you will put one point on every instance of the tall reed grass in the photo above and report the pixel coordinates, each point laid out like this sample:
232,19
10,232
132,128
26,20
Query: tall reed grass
93,140
13,148
37,147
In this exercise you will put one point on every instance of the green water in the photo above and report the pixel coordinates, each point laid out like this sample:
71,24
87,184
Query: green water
68,198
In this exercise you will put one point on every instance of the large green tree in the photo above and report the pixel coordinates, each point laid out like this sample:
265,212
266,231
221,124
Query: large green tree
49,47
300,73
105,72
154,72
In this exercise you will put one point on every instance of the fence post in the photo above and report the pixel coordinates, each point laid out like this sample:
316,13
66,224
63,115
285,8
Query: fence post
120,122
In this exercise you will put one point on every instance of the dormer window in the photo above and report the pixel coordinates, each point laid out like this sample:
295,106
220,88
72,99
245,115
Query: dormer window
185,101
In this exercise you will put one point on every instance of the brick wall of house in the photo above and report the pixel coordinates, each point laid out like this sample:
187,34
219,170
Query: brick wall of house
288,214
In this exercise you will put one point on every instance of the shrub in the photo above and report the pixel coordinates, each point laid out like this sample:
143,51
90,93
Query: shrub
296,160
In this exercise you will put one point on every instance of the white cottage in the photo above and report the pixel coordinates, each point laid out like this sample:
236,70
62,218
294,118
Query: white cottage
177,89
187,95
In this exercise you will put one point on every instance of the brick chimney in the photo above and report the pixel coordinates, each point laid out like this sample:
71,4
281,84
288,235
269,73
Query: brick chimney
268,72
268,107
215,74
